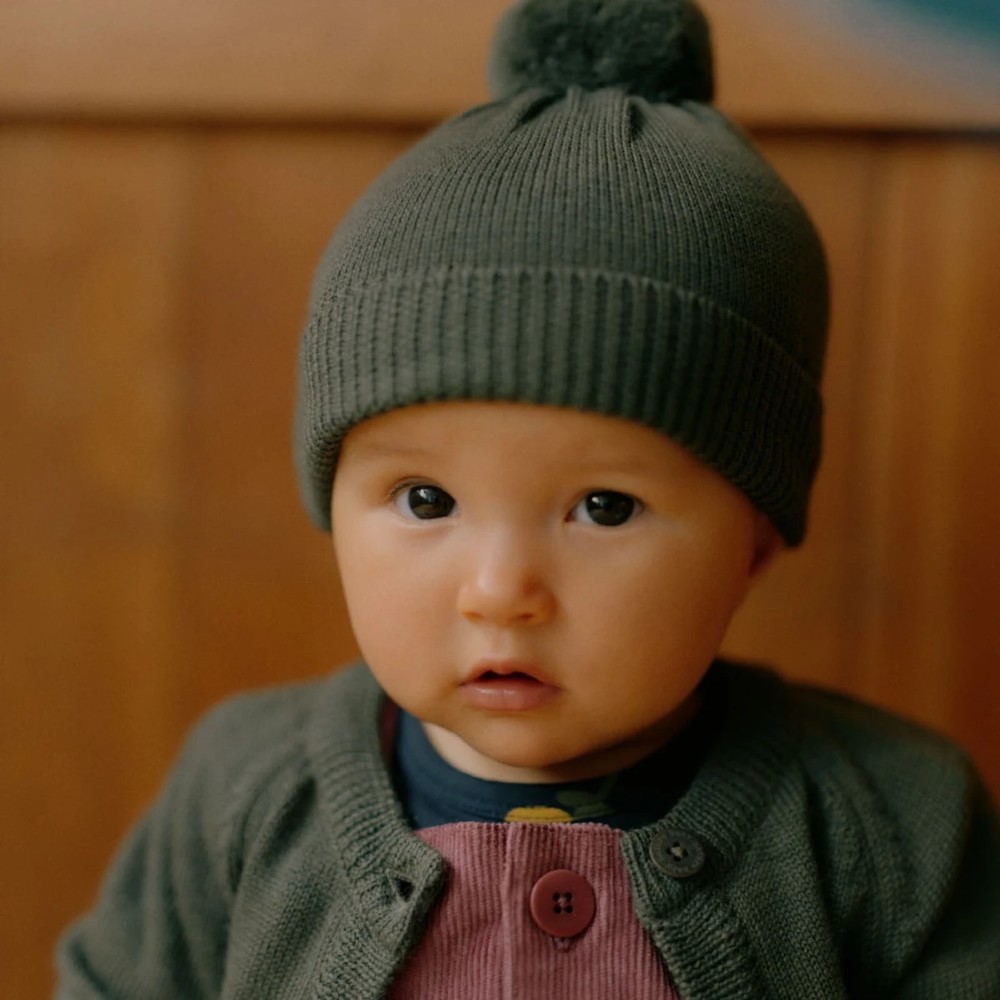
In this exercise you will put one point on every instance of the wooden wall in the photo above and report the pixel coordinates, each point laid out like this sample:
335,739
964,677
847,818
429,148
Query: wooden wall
168,177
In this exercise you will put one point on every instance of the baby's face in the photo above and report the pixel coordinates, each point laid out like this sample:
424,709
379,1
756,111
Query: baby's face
544,588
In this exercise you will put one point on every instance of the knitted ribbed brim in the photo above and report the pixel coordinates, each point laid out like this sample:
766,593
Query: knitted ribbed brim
429,336
590,249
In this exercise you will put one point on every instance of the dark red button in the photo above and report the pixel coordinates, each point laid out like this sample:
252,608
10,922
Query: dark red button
562,903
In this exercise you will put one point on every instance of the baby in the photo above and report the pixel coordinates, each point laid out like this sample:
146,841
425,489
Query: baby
559,407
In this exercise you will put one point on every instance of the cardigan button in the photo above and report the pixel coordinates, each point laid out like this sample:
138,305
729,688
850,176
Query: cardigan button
562,903
677,854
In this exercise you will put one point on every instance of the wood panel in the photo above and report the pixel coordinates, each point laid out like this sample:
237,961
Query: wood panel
91,239
929,514
811,62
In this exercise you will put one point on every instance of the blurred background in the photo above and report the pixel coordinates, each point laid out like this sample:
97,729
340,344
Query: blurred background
169,174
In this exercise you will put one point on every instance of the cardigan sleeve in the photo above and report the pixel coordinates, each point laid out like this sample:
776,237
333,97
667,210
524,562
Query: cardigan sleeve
960,956
158,928
911,848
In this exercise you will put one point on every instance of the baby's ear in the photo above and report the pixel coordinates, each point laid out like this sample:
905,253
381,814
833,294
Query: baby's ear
767,544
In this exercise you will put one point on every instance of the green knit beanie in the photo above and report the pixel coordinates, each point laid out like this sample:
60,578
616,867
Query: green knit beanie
597,237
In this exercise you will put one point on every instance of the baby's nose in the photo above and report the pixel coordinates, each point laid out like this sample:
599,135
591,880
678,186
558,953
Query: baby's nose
505,585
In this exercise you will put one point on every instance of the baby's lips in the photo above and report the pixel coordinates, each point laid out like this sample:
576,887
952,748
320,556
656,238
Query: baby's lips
489,669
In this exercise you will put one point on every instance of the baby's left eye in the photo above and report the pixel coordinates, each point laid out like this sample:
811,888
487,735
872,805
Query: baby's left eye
424,502
607,508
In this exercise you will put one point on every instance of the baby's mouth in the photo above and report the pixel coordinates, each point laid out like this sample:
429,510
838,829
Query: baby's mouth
492,668
492,675
507,687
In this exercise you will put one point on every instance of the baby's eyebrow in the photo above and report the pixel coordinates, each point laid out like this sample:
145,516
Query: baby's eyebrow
574,462
369,451
583,463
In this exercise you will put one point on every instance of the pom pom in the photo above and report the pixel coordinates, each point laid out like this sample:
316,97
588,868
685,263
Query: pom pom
657,49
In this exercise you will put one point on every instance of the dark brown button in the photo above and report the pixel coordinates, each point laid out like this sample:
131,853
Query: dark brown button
677,853
562,903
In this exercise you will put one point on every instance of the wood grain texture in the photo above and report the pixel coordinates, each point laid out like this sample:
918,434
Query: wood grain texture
842,63
930,511
91,237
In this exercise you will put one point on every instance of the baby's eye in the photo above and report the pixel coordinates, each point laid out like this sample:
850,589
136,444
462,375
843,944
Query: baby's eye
607,508
424,502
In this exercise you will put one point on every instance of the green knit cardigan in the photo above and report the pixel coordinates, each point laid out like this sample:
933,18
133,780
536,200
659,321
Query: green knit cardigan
849,854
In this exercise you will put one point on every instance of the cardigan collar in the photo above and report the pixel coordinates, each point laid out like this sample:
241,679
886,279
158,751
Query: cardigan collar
396,877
